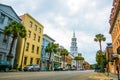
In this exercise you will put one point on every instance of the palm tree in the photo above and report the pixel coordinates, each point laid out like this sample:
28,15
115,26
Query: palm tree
99,38
14,29
78,58
64,53
51,48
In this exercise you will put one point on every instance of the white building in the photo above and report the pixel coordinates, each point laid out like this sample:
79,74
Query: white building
73,50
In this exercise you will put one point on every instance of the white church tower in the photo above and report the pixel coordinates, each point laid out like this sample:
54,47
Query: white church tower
73,47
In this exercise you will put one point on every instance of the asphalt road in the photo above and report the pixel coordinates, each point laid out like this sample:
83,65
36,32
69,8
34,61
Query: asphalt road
56,75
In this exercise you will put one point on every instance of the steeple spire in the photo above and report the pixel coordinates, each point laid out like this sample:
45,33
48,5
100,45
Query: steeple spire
74,34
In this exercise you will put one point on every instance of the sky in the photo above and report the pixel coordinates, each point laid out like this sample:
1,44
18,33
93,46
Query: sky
61,18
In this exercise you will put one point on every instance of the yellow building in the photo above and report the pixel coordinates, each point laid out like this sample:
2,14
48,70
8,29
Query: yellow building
115,29
115,25
29,48
69,61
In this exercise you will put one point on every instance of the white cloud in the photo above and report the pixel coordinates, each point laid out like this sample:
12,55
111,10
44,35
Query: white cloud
75,5
60,20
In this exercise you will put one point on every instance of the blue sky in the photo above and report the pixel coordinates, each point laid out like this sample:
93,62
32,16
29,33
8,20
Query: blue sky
61,17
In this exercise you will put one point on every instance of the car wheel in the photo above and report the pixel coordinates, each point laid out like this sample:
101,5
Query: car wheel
6,69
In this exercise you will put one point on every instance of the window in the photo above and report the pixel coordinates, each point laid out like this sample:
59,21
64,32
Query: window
34,36
29,34
30,23
2,18
37,61
35,27
31,60
9,20
33,48
39,30
5,39
25,60
27,46
38,38
37,50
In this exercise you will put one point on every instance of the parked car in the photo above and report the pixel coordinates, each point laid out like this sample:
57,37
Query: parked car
58,69
33,67
6,66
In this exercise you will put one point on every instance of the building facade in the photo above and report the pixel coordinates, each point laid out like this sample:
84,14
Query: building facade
73,63
115,27
109,52
29,48
73,47
69,61
7,15
86,66
79,63
45,56
57,58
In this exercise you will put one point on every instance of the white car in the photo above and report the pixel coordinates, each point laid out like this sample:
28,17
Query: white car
33,67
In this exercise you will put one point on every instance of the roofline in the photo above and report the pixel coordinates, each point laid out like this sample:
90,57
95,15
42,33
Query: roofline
48,37
12,10
116,14
34,19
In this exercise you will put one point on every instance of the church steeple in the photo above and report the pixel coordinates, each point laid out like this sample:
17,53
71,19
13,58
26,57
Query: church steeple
74,48
74,34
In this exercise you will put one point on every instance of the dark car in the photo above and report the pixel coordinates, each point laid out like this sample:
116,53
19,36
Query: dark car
6,66
33,67
58,69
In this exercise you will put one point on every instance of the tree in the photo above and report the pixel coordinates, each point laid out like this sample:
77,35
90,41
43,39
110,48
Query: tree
78,58
14,29
99,38
98,57
51,48
65,53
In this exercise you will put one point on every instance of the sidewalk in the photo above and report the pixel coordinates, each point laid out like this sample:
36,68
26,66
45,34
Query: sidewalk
102,76
114,76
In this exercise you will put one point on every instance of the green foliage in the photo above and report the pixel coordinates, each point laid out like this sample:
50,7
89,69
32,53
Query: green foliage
101,55
98,57
64,52
14,29
99,37
78,58
51,48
